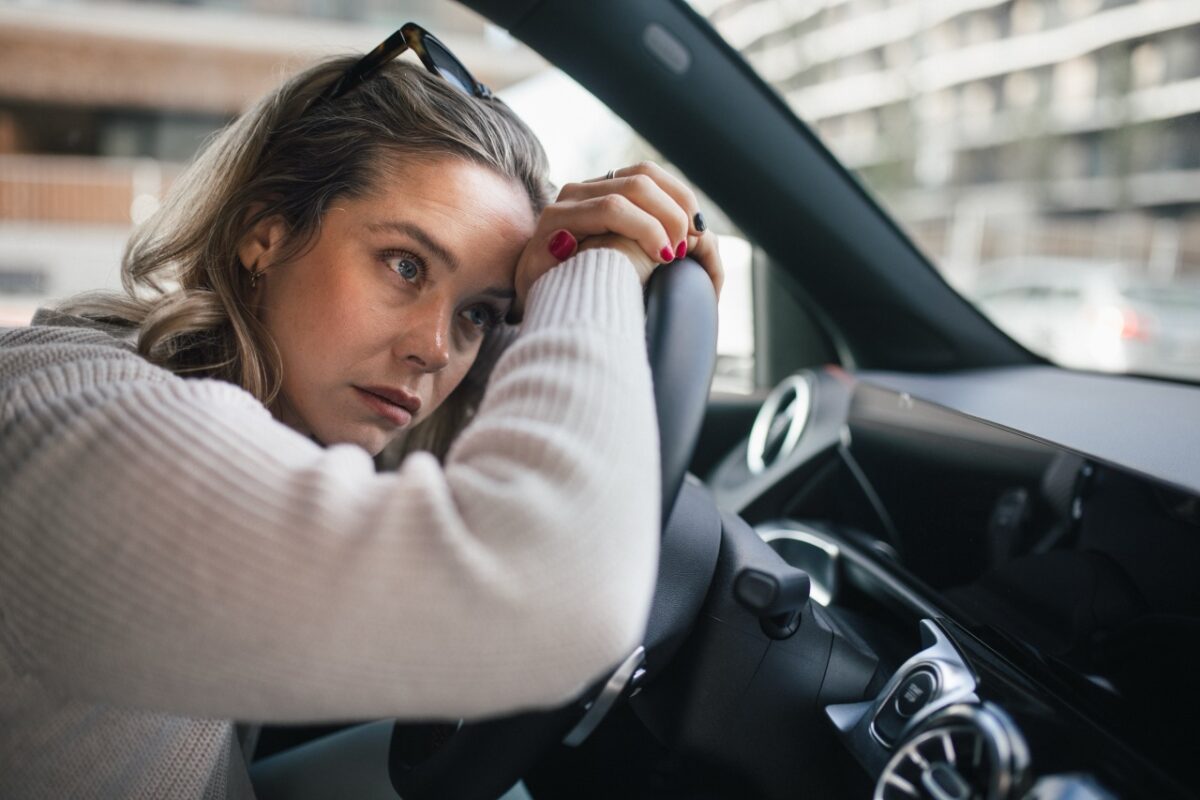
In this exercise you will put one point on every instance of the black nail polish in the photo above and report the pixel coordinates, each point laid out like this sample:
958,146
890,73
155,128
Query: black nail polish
698,221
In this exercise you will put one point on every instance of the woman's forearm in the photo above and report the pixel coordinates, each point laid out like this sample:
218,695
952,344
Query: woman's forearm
168,546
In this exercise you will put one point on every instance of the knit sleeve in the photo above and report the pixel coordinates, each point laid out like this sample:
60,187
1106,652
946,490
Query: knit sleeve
167,545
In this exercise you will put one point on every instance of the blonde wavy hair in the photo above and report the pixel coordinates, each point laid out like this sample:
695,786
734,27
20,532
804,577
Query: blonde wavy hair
289,157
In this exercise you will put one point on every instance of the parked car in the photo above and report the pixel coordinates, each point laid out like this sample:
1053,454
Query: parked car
1095,315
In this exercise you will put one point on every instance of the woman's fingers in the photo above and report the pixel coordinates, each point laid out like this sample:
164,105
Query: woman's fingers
564,225
677,189
614,213
644,192
641,210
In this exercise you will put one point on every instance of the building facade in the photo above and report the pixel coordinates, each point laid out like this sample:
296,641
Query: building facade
1001,128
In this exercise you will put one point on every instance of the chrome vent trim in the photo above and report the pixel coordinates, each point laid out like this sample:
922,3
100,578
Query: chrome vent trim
964,751
780,422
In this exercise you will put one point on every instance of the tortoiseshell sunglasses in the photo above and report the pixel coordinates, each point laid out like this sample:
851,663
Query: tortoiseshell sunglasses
436,57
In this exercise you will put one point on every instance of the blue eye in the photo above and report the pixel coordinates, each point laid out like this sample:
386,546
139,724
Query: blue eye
481,317
407,268
406,265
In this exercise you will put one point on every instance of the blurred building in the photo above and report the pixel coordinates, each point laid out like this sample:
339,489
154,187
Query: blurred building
997,128
102,103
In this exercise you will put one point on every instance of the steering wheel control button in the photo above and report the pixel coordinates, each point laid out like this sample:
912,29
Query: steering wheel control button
914,692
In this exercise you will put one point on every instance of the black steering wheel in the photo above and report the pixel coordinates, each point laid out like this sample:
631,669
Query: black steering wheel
480,761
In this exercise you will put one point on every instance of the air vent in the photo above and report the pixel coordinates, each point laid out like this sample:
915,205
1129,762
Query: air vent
966,752
779,423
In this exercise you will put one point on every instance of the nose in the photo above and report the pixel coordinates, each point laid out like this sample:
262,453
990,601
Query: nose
425,343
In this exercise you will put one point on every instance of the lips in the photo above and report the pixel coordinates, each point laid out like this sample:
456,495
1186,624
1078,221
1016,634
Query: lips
406,400
396,405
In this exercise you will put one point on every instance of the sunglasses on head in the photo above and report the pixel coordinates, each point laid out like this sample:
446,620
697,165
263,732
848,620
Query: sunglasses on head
436,57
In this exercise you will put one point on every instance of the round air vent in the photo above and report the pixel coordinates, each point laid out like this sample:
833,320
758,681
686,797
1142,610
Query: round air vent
779,423
965,752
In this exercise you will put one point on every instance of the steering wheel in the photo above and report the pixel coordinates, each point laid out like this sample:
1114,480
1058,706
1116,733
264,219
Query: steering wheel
480,761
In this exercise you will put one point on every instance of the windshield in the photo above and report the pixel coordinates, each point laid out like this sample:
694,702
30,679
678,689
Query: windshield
1044,155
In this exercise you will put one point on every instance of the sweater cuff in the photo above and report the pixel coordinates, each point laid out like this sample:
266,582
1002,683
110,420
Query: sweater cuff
595,288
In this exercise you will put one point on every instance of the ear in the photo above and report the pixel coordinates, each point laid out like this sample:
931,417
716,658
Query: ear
261,243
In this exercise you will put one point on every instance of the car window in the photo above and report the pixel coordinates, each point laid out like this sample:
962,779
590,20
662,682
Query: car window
105,103
1018,137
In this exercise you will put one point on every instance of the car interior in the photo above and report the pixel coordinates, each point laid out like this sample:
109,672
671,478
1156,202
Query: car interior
927,563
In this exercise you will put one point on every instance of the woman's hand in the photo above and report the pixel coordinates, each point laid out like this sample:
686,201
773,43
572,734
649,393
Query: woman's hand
642,211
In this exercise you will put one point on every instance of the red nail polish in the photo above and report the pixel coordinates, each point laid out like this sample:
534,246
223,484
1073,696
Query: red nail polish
562,245
666,255
681,251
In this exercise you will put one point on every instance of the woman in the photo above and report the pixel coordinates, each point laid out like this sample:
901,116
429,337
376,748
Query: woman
192,528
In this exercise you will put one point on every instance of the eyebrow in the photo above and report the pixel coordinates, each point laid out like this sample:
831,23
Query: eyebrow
426,241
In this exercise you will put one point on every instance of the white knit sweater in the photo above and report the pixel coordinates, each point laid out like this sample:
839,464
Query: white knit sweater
172,558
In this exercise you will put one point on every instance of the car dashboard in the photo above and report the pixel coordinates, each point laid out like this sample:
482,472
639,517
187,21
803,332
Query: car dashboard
1015,548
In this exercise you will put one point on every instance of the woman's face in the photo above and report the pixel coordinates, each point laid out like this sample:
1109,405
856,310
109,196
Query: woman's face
380,320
